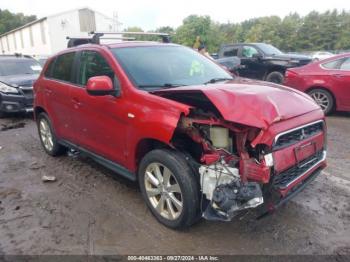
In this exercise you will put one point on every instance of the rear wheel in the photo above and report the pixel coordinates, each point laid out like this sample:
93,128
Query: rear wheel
275,77
323,98
169,187
47,136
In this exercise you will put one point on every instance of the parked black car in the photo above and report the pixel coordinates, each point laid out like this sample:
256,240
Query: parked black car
262,61
17,75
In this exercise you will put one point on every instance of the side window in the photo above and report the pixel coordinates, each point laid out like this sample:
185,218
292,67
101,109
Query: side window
48,72
63,67
333,64
345,65
249,51
93,64
231,51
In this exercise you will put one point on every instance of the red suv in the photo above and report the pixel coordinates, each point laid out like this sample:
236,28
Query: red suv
199,142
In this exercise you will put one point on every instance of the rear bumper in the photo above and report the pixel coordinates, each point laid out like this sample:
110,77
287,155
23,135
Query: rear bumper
12,103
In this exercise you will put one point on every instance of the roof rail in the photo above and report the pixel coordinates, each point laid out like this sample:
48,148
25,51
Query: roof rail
75,41
97,35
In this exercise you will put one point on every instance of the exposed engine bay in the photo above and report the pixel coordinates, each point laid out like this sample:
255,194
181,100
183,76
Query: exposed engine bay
231,170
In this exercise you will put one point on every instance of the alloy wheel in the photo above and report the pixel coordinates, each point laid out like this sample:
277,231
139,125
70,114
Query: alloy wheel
163,191
45,134
321,99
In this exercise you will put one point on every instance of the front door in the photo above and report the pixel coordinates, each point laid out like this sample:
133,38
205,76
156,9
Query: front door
251,65
99,122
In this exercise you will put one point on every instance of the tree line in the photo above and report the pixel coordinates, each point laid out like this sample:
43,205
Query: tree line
329,30
9,21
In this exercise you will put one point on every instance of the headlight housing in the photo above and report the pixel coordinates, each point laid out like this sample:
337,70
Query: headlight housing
7,89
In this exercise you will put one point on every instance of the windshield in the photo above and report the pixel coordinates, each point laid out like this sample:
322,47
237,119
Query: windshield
19,67
167,66
269,49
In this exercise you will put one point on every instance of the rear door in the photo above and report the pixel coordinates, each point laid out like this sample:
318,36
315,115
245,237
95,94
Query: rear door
99,121
343,82
56,85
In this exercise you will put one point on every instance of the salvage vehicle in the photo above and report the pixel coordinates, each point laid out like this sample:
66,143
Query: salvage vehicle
326,81
262,61
200,142
17,75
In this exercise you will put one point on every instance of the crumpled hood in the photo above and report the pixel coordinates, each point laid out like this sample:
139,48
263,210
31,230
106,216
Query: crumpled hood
249,102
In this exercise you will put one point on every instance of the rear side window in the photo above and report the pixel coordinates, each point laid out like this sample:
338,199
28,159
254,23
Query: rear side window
231,51
49,69
333,64
345,65
63,67
93,64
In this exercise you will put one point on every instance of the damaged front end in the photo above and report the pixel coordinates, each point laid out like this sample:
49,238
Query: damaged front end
231,171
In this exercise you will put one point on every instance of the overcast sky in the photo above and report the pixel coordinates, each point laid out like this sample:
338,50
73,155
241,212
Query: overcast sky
152,14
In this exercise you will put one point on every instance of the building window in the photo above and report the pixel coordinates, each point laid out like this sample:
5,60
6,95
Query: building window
21,36
14,41
31,36
87,20
42,30
8,43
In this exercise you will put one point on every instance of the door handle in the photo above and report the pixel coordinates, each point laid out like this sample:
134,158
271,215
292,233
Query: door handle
338,75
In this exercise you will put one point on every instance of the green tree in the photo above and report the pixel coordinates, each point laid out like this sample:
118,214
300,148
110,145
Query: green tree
9,21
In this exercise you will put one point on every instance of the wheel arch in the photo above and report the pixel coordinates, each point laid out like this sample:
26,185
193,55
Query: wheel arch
38,110
145,145
275,68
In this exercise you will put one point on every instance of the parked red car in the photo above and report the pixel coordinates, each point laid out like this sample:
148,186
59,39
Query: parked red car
199,142
326,81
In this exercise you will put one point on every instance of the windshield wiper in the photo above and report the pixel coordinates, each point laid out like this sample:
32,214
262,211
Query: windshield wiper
165,85
218,79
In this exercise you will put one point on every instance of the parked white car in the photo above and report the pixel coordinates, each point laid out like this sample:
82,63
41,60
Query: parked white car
317,56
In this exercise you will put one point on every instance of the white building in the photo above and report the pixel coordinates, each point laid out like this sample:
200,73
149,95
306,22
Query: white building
47,35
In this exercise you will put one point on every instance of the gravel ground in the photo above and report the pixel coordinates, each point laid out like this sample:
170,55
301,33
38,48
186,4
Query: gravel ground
90,210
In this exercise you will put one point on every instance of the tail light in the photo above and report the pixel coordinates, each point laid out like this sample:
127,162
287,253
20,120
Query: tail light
290,73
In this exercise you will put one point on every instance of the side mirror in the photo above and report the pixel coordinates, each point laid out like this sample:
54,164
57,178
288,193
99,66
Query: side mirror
100,86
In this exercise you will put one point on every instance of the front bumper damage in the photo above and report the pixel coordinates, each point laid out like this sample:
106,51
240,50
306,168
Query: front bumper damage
225,193
227,196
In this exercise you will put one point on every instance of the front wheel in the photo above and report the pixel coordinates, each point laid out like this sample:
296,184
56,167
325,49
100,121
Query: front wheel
169,187
275,77
323,98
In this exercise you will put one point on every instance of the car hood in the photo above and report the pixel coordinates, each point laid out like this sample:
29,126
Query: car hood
290,56
20,80
248,102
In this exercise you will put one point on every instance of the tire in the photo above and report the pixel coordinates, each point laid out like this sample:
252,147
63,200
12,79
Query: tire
275,77
323,98
180,193
2,114
47,136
